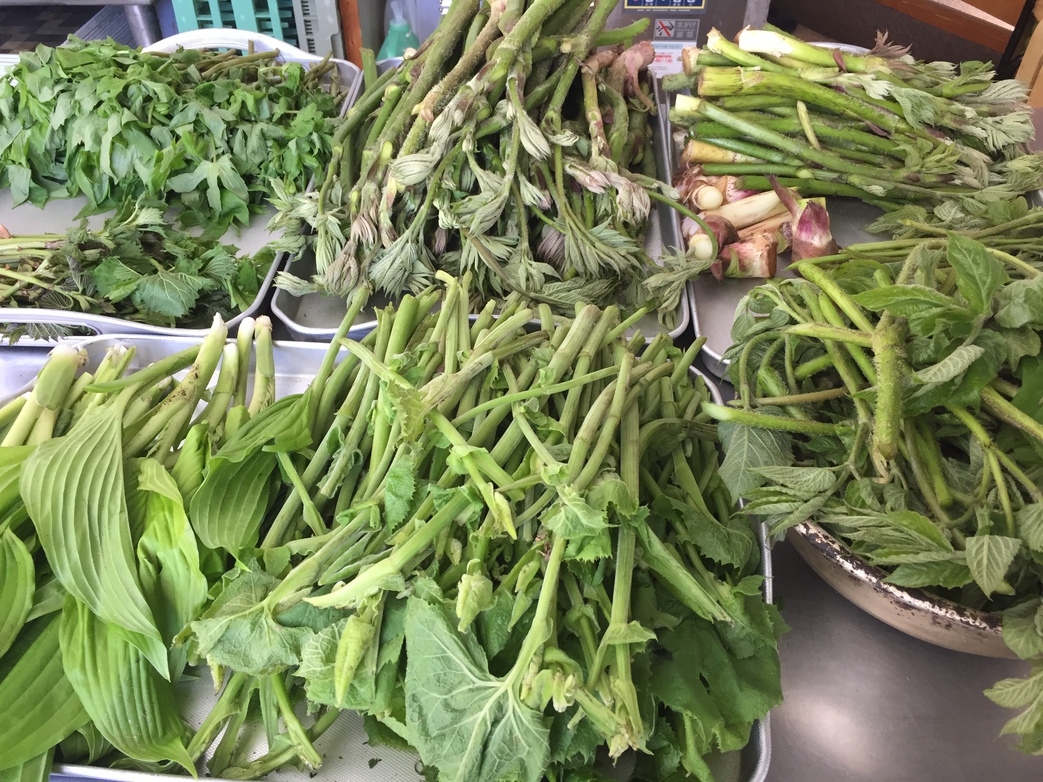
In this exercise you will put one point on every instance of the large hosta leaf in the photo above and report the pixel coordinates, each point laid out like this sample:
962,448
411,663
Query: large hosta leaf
39,706
73,489
130,704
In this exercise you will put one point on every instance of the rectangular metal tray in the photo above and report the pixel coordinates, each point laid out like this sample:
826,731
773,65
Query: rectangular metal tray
59,215
713,303
346,754
315,317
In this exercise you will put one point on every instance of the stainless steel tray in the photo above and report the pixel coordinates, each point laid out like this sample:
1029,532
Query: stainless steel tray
315,317
59,215
713,303
346,754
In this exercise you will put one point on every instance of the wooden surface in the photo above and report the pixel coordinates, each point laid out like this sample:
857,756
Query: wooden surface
957,18
352,30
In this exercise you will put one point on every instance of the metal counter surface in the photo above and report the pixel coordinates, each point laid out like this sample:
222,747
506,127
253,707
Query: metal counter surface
862,701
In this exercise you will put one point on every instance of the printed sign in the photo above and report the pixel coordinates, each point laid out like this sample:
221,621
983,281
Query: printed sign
664,5
675,30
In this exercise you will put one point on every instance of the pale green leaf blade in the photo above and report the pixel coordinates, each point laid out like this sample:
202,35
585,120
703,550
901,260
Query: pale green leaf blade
36,769
168,550
1019,629
747,448
1017,693
133,707
952,366
227,510
84,528
946,573
812,480
40,707
17,586
11,461
989,557
1030,526
463,720
978,274
239,630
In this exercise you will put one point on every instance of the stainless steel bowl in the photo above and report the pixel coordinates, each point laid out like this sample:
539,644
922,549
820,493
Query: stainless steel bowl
912,611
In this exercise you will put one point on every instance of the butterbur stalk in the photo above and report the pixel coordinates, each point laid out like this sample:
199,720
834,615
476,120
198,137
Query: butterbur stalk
35,420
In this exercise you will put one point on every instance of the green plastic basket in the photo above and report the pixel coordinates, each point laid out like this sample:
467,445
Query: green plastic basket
271,17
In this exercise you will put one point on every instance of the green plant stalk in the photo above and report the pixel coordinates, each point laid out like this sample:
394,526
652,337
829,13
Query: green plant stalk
419,540
799,149
888,351
266,764
849,139
296,732
226,706
778,423
435,100
979,433
46,399
578,49
1004,410
911,449
264,368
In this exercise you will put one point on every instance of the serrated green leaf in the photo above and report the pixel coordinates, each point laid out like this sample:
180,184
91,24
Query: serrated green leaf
978,274
1030,526
466,722
747,448
945,573
1021,304
115,280
399,486
629,633
989,557
1019,629
903,300
810,480
239,630
952,366
170,294
1017,693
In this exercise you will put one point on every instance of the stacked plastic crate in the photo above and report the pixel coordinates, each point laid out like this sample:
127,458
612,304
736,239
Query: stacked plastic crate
311,25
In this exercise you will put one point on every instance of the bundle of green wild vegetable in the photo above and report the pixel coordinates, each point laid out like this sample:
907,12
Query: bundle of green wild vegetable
202,131
893,396
881,127
509,146
508,550
136,267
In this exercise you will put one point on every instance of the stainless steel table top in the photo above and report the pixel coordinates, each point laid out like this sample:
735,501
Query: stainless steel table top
864,702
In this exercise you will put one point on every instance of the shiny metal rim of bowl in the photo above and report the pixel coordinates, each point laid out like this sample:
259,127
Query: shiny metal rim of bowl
914,612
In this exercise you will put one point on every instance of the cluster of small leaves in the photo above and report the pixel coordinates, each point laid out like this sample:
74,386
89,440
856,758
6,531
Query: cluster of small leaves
958,510
202,131
136,266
